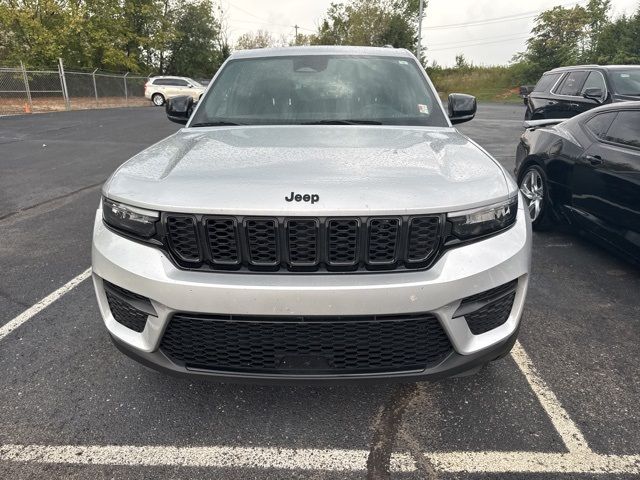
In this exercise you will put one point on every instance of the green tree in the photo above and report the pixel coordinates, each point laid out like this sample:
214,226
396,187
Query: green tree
619,41
195,49
371,23
257,39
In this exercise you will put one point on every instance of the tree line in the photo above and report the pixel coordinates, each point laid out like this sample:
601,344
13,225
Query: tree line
188,37
139,36
579,35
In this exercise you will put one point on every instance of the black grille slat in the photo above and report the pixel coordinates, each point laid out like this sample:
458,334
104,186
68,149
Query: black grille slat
423,238
383,240
302,239
302,244
184,238
314,346
222,236
262,240
342,242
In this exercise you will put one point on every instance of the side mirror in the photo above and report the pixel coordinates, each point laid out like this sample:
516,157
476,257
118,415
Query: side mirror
594,94
179,109
462,107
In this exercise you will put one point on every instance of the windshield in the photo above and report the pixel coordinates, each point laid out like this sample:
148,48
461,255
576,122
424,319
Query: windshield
317,89
626,82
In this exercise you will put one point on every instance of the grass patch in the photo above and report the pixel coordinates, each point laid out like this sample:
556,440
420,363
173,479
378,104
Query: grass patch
497,84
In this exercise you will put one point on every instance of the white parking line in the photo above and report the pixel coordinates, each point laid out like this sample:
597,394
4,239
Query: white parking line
571,436
336,460
25,316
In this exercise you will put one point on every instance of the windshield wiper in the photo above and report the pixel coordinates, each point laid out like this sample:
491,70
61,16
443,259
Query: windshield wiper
343,122
214,124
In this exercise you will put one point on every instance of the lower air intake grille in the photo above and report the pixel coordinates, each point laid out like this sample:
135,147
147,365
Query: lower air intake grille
305,345
489,309
125,314
490,316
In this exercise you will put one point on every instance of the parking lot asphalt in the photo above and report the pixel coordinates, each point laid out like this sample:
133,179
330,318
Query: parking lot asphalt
565,405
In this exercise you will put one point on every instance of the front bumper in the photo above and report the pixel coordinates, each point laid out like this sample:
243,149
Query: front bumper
459,273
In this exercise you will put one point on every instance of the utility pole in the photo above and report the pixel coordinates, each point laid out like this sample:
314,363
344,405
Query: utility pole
419,47
297,27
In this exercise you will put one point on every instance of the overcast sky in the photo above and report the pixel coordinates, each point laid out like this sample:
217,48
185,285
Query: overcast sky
487,43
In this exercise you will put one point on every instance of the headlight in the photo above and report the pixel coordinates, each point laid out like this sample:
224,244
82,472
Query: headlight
134,220
484,221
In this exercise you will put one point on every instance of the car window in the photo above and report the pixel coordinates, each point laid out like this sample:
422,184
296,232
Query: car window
599,124
572,84
625,129
594,80
547,82
626,82
302,89
160,82
179,83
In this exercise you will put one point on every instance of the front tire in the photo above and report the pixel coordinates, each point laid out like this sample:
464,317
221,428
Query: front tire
157,99
533,185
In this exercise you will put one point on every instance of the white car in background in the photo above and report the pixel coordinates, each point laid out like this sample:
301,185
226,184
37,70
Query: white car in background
159,89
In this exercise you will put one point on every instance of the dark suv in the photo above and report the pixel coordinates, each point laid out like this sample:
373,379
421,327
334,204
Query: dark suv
567,91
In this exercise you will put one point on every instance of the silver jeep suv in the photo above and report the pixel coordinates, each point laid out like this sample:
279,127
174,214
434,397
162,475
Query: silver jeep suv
317,218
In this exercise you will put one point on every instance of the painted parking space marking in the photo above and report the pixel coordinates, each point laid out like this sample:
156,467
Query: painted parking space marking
579,458
335,460
571,436
29,313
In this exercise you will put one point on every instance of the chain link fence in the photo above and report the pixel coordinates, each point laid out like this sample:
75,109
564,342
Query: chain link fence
24,90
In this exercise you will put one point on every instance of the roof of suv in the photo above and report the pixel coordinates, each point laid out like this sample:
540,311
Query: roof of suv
169,76
322,50
582,67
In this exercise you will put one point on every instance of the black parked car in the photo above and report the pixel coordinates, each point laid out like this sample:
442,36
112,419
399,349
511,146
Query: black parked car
586,171
569,91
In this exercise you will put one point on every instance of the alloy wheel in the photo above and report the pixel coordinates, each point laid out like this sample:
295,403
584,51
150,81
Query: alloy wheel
532,187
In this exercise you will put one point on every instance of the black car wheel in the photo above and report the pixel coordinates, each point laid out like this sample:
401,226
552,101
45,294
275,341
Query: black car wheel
533,186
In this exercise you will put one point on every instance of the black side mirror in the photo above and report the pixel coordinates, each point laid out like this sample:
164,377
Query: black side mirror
462,108
179,109
594,94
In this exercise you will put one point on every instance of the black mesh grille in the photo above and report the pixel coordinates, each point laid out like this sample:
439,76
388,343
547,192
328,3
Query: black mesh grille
342,242
125,314
302,237
309,345
302,244
262,236
183,237
222,237
383,240
423,238
491,315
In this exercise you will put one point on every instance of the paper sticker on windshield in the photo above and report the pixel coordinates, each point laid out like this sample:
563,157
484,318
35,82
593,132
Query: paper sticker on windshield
625,75
403,62
423,109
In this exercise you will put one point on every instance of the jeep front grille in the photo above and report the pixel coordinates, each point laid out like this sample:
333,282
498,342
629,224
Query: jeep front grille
300,244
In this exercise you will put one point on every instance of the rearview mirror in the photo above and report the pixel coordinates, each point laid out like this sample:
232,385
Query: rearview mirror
593,94
179,109
462,107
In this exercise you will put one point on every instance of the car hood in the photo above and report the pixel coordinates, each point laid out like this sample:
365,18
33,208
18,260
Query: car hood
352,170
